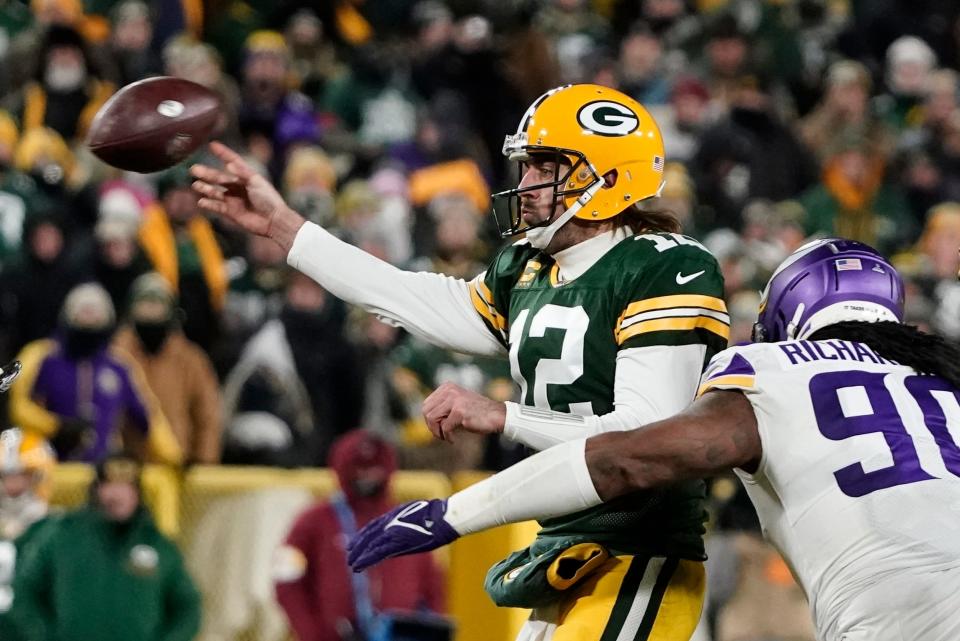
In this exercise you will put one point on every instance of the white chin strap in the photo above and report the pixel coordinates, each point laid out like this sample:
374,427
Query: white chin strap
540,237
851,310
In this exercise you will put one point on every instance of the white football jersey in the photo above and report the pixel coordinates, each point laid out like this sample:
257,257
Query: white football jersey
858,486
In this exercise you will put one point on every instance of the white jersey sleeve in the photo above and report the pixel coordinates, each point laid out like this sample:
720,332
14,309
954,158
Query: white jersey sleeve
434,307
858,485
668,388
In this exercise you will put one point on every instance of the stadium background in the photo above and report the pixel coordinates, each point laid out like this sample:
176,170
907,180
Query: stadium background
383,120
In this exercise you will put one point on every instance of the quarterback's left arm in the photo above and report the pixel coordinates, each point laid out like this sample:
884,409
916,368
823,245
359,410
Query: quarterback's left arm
718,432
668,385
667,388
672,320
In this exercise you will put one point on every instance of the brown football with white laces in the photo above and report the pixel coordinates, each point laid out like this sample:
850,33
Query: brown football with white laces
153,124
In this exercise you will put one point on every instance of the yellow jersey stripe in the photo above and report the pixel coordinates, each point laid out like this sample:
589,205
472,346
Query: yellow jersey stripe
485,292
672,313
486,311
737,380
675,300
675,324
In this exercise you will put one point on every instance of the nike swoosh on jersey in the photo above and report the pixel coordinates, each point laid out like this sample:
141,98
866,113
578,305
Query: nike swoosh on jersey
410,509
683,280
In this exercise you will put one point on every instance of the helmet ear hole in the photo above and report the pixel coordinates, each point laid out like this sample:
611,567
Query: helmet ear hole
610,178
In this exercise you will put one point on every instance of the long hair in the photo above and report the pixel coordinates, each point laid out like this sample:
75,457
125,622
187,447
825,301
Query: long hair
905,344
649,222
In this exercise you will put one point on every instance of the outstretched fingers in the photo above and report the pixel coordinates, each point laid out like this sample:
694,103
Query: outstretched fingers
232,161
216,192
224,153
213,175
213,206
365,545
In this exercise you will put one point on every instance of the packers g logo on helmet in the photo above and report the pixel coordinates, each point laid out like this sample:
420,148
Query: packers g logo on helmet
608,150
608,118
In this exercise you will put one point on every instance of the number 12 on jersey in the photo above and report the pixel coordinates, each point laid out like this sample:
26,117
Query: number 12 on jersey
829,391
551,371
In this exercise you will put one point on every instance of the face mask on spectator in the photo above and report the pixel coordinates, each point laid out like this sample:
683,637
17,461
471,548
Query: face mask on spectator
65,77
85,342
153,334
302,323
367,488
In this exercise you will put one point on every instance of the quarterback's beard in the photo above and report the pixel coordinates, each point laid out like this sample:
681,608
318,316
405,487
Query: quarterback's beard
19,513
540,237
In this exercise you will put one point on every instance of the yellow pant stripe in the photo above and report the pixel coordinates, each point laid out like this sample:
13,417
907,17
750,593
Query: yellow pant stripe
586,609
634,599
680,607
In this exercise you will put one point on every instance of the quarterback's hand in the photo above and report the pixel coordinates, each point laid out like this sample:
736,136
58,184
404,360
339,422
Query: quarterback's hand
451,407
242,195
417,526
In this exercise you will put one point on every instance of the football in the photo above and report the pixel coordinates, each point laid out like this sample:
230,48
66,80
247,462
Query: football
153,124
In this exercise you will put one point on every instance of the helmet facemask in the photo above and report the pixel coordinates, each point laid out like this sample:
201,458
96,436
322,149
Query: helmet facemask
613,152
577,177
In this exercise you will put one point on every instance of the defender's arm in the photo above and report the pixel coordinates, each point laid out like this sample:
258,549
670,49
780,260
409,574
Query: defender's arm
717,432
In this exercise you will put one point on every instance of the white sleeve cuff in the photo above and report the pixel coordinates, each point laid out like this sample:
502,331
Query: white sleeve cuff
542,429
550,483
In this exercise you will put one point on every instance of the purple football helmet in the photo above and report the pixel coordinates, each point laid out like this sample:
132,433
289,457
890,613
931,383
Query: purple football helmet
825,282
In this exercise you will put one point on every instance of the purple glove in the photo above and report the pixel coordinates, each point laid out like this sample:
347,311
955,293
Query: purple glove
417,526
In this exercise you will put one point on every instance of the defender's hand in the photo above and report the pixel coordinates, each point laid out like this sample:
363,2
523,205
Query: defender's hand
417,526
243,196
452,407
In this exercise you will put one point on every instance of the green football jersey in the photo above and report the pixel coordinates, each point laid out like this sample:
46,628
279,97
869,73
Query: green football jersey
432,366
10,552
563,339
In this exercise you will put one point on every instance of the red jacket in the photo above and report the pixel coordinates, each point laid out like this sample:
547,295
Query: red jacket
319,602
312,579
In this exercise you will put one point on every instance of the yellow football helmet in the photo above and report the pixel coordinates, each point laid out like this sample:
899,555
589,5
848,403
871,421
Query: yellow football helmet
25,452
595,131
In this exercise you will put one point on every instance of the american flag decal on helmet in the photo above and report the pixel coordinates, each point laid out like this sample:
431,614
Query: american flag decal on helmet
658,163
848,264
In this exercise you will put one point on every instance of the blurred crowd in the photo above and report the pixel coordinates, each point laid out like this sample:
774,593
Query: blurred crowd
147,326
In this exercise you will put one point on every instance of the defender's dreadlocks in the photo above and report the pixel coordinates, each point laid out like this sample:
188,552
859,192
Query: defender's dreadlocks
904,344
